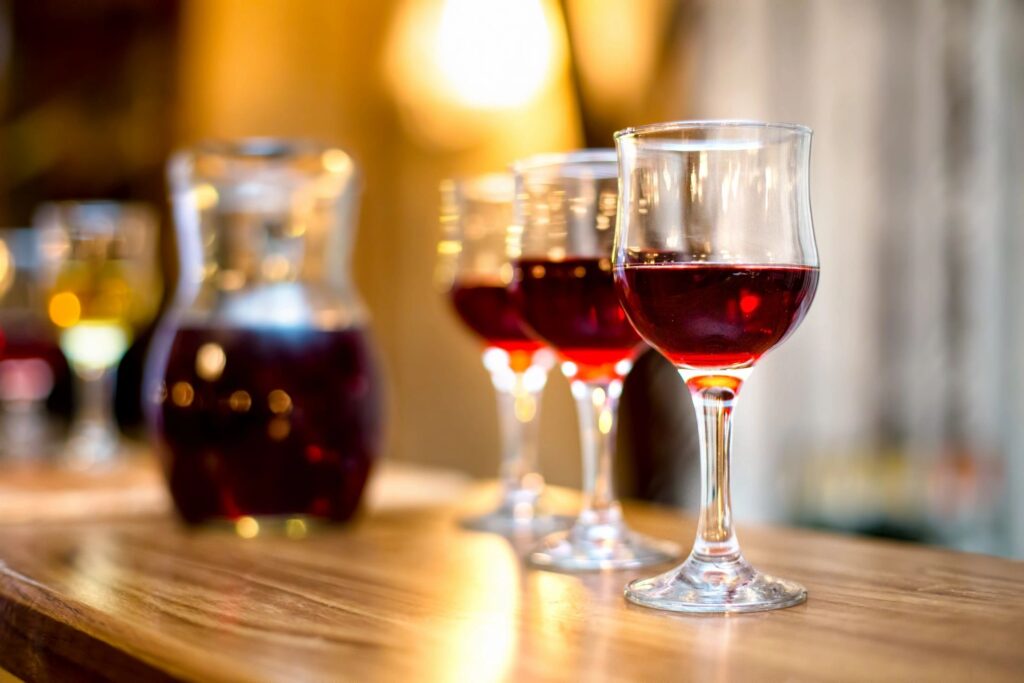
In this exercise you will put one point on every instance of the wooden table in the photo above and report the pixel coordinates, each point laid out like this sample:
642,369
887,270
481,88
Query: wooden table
404,594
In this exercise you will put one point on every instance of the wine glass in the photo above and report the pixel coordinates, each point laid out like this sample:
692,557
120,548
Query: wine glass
100,275
473,270
562,286
29,357
715,264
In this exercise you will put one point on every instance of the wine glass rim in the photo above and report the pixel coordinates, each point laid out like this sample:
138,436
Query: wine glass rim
306,155
261,148
494,185
582,157
268,151
96,202
702,124
118,206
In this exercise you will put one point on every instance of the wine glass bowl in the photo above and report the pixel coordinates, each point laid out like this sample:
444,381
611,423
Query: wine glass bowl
562,285
716,315
715,265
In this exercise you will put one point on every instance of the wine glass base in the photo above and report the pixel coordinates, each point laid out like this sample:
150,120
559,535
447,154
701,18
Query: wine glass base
502,522
90,447
707,586
573,552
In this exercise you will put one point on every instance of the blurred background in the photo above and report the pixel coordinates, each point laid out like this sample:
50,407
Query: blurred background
896,410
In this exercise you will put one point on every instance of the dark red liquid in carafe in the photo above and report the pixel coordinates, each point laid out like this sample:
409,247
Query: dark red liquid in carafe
715,315
572,305
268,421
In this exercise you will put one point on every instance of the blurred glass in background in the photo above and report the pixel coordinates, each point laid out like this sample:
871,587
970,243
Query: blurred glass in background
30,360
897,409
98,272
86,94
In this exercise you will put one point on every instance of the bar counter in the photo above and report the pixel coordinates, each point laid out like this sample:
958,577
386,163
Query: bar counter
404,594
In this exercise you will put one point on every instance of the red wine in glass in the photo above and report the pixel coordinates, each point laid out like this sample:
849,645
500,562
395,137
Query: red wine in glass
572,305
268,421
715,315
487,310
31,363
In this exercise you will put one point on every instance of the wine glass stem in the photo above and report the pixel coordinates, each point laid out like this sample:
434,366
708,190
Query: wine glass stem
518,396
93,430
596,405
714,397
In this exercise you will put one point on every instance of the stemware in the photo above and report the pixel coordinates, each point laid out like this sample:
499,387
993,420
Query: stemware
100,273
562,286
30,360
473,270
715,264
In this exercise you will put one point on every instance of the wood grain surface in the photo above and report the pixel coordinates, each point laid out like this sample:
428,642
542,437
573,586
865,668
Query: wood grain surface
41,491
404,594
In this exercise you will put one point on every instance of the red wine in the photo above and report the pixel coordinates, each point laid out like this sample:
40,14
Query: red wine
22,338
268,421
487,309
31,363
711,315
572,305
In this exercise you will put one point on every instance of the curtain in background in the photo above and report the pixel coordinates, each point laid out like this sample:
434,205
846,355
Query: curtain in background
903,392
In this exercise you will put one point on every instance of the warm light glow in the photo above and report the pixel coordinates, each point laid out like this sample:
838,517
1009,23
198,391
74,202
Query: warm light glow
449,247
210,361
276,267
6,268
240,401
466,72
94,345
205,196
556,599
494,53
295,528
231,280
247,527
65,309
604,421
336,161
279,401
182,394
279,428
525,408
713,382
479,645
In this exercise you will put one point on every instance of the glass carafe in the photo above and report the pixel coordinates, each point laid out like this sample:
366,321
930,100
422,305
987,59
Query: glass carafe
263,394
